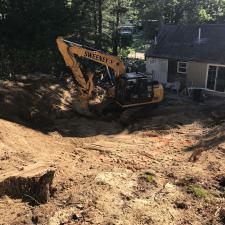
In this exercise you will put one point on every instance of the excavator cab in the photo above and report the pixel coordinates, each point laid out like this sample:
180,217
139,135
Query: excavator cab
134,88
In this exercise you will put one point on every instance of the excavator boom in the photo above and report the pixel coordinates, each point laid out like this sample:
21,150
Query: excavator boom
113,62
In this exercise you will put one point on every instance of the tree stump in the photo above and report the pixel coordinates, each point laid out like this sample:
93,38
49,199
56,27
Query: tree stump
33,184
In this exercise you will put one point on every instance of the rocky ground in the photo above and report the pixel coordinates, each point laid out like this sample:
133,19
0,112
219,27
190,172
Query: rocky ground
164,168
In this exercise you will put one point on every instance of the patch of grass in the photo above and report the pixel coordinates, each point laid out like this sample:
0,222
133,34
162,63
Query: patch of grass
150,178
197,191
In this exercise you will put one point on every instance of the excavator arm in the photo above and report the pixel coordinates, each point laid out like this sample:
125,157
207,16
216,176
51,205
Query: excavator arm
69,49
72,63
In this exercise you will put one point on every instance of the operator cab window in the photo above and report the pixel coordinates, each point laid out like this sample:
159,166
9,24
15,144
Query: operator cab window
182,67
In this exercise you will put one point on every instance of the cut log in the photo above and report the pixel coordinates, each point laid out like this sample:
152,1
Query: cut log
33,184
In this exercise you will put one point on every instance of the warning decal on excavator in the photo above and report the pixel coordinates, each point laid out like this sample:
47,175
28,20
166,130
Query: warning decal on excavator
96,57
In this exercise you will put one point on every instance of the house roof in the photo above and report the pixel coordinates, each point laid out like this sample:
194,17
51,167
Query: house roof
181,42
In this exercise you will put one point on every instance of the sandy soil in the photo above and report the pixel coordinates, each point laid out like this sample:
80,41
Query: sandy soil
110,174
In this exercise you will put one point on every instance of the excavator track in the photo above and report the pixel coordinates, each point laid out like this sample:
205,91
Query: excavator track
132,115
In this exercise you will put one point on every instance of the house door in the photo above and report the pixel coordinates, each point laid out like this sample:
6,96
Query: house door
216,78
220,81
158,68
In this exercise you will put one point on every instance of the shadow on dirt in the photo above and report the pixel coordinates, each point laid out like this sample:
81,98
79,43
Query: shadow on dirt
31,102
45,104
211,139
175,112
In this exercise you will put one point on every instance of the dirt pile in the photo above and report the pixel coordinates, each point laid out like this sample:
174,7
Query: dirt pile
38,99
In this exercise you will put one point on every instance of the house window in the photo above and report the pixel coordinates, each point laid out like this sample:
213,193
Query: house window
2,16
216,78
182,67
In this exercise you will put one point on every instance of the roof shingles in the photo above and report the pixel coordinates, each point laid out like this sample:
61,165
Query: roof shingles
181,42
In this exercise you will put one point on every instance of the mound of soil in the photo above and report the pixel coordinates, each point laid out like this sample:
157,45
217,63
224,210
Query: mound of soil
38,100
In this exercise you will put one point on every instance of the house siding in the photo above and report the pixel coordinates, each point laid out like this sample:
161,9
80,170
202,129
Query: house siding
195,77
197,73
173,75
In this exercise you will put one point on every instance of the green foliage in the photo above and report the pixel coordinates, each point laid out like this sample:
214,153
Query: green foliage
29,27
28,34
124,52
197,191
180,11
204,16
150,178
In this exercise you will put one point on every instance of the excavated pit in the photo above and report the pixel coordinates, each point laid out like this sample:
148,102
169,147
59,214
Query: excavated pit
99,164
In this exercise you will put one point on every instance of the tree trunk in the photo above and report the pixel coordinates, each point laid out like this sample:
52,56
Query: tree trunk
162,13
116,30
96,24
99,24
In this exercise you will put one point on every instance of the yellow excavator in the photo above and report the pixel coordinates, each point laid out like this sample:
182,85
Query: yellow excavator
123,89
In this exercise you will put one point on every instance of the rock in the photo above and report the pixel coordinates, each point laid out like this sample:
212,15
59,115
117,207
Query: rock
76,216
171,175
222,147
221,180
181,205
4,158
66,216
170,188
150,172
222,214
80,206
35,219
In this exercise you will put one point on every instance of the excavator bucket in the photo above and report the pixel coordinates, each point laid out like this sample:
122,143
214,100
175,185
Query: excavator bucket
81,105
